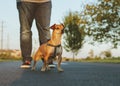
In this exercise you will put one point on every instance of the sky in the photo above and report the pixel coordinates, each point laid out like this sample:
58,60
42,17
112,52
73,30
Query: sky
60,8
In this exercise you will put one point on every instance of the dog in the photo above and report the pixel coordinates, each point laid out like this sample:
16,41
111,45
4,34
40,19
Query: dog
51,49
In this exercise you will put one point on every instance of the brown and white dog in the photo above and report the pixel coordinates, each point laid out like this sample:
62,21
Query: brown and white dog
51,49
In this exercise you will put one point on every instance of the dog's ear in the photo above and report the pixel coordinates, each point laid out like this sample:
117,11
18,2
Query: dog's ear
53,27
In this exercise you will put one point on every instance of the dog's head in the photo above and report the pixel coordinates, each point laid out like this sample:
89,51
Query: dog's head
59,28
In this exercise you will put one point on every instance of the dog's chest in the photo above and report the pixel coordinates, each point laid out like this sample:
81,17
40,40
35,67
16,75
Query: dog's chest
57,51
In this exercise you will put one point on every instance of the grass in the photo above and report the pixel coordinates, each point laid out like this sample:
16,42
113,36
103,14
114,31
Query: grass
4,60
95,60
102,61
9,58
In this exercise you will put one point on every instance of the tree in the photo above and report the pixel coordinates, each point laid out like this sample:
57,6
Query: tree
74,35
106,54
91,54
103,21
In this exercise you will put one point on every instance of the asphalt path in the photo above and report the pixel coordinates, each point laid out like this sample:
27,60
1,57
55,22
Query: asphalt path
75,74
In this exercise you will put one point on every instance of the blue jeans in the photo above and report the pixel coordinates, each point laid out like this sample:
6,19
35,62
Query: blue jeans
28,11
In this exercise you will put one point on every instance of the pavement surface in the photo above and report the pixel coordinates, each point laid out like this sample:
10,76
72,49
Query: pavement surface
75,74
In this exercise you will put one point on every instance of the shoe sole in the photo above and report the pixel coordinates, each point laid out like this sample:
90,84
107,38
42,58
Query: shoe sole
52,66
25,66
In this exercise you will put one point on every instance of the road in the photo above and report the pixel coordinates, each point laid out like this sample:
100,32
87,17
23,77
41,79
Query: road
75,74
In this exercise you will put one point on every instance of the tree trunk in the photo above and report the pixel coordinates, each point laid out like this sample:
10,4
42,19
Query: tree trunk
73,56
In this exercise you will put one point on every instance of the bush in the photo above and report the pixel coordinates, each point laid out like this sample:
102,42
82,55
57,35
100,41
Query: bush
8,56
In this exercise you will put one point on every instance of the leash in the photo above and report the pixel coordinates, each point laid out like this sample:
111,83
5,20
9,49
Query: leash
55,46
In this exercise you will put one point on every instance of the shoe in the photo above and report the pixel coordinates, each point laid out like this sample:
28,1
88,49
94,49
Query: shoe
51,65
26,64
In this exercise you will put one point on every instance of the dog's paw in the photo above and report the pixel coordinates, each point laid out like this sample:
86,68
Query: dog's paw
33,69
60,70
48,68
43,69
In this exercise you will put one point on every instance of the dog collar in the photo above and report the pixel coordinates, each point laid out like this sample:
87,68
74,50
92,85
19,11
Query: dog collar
53,45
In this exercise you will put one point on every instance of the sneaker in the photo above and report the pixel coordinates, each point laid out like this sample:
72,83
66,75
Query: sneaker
51,65
26,64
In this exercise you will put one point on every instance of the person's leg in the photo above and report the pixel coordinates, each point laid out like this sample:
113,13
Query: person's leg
26,17
42,17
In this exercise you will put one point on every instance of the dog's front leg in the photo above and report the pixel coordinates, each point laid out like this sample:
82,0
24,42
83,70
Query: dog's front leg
44,67
37,56
34,65
59,64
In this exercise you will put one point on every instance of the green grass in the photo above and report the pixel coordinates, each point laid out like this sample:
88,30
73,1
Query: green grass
9,59
102,61
96,60
7,56
5,60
